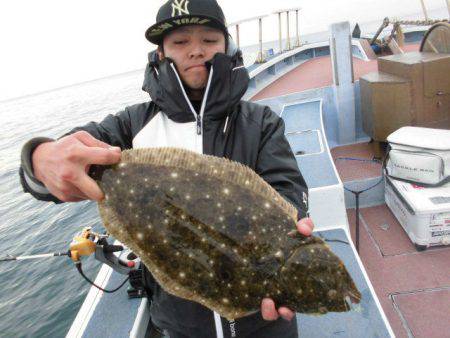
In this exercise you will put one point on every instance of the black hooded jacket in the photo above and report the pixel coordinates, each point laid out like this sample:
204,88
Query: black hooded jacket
225,126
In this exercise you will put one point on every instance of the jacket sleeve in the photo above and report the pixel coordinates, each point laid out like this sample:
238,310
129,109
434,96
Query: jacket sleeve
114,130
277,165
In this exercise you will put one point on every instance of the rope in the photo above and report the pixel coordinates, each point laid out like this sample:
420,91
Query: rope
418,22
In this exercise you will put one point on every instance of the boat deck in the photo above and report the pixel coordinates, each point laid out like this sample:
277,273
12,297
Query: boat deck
317,73
304,132
413,287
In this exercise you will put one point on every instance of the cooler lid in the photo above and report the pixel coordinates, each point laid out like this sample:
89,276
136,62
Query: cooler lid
438,139
423,200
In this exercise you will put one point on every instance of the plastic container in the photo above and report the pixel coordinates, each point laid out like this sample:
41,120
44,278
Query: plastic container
423,212
420,155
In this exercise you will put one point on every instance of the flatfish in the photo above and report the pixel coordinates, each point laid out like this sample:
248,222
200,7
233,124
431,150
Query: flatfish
212,231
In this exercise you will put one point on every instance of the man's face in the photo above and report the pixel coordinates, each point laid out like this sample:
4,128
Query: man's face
190,47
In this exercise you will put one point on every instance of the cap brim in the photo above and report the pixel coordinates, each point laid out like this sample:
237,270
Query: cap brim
156,33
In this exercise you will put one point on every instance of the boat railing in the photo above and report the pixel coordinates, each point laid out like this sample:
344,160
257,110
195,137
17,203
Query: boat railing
260,56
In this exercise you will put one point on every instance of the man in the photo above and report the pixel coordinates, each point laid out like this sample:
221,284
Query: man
196,80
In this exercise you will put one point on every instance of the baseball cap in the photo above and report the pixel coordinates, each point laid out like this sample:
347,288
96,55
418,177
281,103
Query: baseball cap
177,13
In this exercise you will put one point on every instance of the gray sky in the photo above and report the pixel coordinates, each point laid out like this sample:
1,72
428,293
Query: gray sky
51,43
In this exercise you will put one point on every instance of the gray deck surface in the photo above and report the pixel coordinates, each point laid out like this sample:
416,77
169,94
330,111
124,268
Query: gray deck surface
115,314
317,169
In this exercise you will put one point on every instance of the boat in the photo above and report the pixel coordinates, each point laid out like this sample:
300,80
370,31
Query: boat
316,88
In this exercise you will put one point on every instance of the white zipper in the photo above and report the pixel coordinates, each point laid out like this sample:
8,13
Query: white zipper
205,96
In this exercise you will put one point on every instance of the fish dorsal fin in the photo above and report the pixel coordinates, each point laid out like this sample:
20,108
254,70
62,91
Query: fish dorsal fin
220,168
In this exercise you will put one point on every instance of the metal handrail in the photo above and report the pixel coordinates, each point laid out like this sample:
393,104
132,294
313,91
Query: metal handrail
288,39
260,58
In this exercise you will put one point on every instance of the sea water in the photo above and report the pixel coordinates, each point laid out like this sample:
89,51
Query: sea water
40,298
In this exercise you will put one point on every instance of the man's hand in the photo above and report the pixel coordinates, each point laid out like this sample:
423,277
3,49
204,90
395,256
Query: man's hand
62,166
305,226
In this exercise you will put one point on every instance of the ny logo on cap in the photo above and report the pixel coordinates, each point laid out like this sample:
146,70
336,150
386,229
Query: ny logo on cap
180,7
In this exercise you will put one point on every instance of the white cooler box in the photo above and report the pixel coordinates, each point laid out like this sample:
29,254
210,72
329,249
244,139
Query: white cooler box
423,212
420,155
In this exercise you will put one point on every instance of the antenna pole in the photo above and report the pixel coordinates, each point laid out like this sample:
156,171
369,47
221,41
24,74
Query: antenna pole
425,9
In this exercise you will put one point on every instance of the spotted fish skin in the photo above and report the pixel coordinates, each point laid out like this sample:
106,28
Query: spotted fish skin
217,240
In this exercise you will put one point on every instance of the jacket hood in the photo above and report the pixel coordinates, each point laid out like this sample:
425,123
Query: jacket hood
227,83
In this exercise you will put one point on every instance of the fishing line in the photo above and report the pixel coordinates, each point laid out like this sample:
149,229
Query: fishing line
80,270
